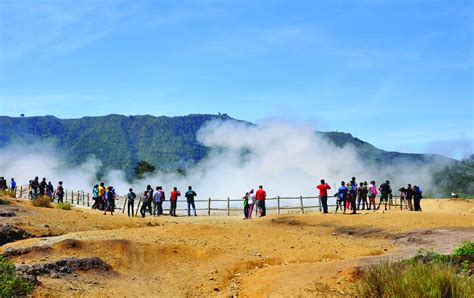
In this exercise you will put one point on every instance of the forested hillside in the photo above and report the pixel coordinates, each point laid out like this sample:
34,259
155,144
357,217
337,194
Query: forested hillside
166,143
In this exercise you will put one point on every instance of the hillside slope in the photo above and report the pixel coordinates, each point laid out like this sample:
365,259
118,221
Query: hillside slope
169,143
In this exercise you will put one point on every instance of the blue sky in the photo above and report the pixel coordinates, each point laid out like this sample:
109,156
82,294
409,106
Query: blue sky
398,74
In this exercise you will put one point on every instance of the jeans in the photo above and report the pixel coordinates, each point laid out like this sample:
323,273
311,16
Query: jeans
130,205
173,208
410,204
191,204
146,205
250,210
324,203
35,193
261,207
364,202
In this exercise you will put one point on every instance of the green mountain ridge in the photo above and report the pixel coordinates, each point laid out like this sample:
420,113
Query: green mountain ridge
168,143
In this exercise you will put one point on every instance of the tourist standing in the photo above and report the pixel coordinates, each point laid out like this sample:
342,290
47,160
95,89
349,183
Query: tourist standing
13,188
190,194
409,192
417,195
403,196
341,197
260,196
131,196
156,201
174,200
372,190
60,192
385,191
323,194
250,203
95,196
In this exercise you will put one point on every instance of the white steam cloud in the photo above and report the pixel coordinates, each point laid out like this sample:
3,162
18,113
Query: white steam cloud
287,159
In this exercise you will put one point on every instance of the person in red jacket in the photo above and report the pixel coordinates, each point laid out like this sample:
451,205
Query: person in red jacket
323,194
174,200
260,196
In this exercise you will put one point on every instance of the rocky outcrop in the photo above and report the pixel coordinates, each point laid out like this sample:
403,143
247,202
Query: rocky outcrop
10,233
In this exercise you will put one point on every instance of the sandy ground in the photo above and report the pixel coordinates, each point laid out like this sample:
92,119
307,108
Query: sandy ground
279,255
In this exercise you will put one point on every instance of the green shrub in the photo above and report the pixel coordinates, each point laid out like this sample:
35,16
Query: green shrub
414,279
4,202
465,250
43,201
10,283
64,206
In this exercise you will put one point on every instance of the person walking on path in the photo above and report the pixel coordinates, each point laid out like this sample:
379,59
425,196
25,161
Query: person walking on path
261,195
250,203
60,192
174,200
323,194
131,196
190,194
341,197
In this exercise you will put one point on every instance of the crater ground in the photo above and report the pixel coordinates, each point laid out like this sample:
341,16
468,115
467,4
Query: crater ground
279,255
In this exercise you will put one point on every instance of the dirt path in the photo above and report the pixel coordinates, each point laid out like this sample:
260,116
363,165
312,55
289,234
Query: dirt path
280,255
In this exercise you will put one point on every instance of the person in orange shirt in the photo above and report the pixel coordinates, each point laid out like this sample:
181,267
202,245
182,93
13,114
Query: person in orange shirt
174,200
260,196
323,194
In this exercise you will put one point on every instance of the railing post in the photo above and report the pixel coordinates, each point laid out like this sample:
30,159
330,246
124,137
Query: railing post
66,196
228,206
87,199
138,206
21,191
209,207
319,199
125,199
278,204
72,197
78,196
302,206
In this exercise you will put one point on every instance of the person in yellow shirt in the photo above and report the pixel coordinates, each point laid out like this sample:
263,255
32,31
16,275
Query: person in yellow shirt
101,196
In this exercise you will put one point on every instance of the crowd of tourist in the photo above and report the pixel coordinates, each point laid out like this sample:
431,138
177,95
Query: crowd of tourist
350,195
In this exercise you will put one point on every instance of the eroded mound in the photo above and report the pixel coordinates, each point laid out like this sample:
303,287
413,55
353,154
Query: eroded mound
10,233
61,267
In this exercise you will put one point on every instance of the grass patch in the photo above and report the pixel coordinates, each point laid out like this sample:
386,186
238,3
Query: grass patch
43,201
427,274
4,202
64,206
11,284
